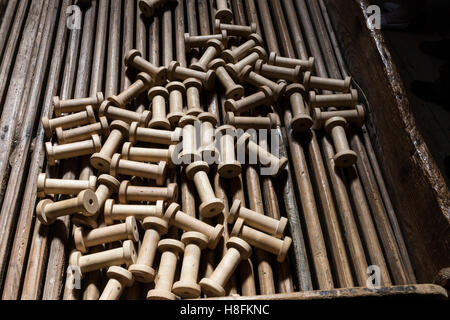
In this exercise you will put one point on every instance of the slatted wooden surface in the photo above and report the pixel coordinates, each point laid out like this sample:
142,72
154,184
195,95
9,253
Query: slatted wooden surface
41,58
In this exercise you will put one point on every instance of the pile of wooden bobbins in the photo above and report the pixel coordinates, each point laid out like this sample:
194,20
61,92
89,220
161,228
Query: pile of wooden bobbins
132,152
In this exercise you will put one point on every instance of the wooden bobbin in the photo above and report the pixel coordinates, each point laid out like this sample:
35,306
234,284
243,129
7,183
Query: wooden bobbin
189,153
213,49
263,97
355,116
301,121
116,212
183,221
76,105
114,113
344,157
257,80
175,72
334,100
84,132
104,259
170,251
187,287
148,7
72,150
119,132
265,158
235,30
239,122
223,13
143,270
228,167
236,54
47,186
275,72
149,154
176,92
276,60
119,279
129,193
196,42
86,203
211,205
158,97
155,172
262,240
134,59
142,83
193,90
235,69
107,186
165,137
312,82
238,250
232,90
256,220
80,118
208,150
85,239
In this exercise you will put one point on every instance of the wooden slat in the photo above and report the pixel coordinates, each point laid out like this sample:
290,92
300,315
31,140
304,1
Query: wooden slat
423,291
15,100
22,156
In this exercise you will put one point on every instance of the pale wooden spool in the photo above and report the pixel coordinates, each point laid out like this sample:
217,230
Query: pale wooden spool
103,259
182,220
187,287
129,193
143,268
86,203
140,169
84,239
211,205
119,279
262,240
170,250
117,212
102,160
238,250
48,186
256,220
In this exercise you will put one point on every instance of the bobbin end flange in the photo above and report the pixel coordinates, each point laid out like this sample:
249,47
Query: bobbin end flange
142,273
284,249
240,245
233,214
157,294
187,289
40,212
211,208
212,288
107,212
78,239
129,252
120,274
225,15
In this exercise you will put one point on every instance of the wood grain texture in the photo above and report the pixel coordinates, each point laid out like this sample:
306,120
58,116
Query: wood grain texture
22,156
424,291
15,101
